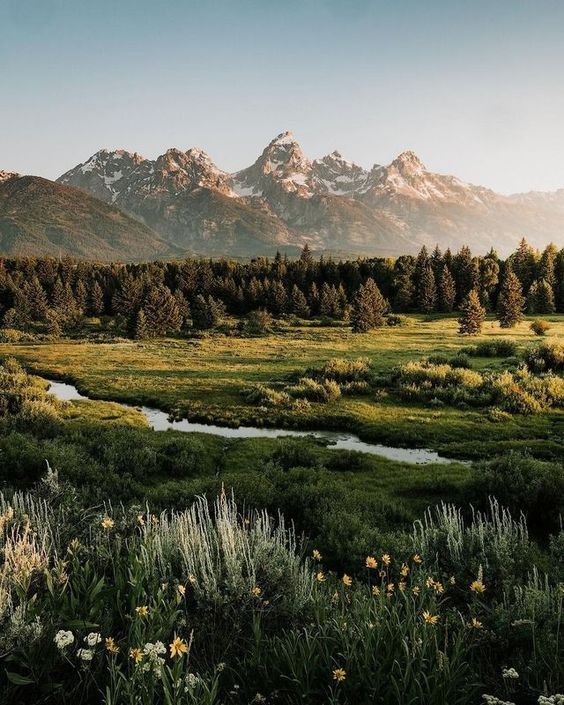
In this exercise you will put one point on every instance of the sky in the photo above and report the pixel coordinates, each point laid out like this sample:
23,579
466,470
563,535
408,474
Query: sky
474,87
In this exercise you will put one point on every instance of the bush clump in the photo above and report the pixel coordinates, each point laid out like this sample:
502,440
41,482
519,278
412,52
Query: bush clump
547,357
540,327
324,391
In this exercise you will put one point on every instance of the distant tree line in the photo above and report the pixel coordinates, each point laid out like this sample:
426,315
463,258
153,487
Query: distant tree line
156,298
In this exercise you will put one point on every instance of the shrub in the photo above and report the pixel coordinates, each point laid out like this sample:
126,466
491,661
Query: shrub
540,327
258,322
342,370
523,484
493,348
261,395
545,357
395,320
307,388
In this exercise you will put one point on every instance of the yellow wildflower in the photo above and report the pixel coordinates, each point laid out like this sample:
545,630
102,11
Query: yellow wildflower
181,590
404,571
347,580
371,562
192,579
320,577
402,585
111,646
416,590
339,674
475,623
390,587
375,590
136,655
429,618
108,523
256,591
452,580
178,647
477,586
142,611
316,555
417,558
386,560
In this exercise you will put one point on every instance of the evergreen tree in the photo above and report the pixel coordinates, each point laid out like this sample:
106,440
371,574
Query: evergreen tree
184,307
95,305
447,291
141,329
160,312
313,299
403,284
523,264
53,324
511,301
206,312
81,295
540,298
127,299
306,257
472,315
427,294
328,301
31,301
298,303
368,308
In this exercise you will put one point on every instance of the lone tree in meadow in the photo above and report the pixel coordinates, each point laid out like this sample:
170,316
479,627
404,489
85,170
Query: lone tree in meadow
511,301
447,291
298,303
472,315
368,308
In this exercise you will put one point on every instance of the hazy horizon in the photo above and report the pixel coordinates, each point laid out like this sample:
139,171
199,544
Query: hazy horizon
474,90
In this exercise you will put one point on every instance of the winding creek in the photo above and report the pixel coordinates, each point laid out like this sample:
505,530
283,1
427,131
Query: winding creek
159,421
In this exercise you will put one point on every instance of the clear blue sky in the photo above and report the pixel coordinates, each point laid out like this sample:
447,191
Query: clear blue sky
474,87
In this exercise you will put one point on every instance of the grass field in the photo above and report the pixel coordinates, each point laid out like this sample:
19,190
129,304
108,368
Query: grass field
204,378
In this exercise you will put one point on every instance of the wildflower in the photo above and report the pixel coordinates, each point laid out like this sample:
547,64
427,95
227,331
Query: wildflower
256,591
316,555
85,654
510,673
108,523
93,639
429,582
475,623
478,586
63,639
347,580
178,647
320,577
247,521
452,580
375,590
404,571
181,590
111,645
339,674
402,585
136,655
390,587
164,586
386,560
416,590
192,579
417,558
438,587
142,611
429,618
154,520
141,520
371,562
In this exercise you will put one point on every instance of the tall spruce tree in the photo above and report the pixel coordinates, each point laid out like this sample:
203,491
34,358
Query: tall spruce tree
95,302
511,301
161,312
472,315
368,308
540,298
427,294
298,303
447,291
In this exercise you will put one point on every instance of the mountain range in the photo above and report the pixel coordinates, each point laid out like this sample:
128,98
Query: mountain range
182,202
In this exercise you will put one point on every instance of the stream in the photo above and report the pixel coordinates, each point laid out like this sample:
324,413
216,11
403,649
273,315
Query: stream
159,421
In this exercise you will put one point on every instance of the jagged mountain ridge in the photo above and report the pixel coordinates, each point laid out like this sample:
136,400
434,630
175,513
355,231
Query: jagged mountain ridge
285,199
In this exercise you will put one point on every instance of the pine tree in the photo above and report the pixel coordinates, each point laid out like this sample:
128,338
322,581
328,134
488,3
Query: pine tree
183,307
328,301
206,312
53,324
95,306
447,291
313,299
540,298
427,294
127,299
523,264
298,303
511,301
31,301
472,315
141,330
160,312
403,285
306,257
81,295
368,308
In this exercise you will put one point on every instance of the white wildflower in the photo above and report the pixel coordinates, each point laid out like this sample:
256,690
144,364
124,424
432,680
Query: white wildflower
510,673
93,639
63,639
85,654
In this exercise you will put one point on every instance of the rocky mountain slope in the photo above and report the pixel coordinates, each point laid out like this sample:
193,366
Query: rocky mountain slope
41,217
284,200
